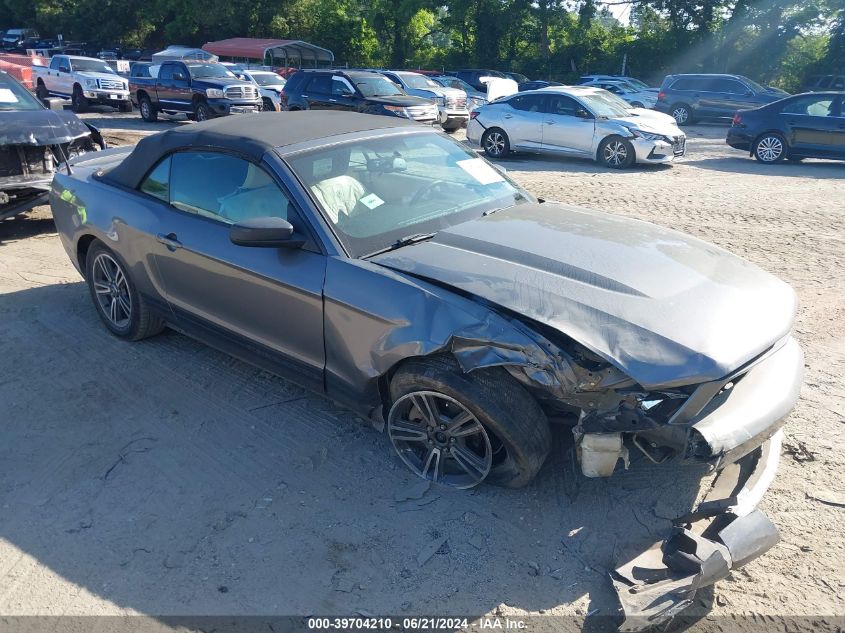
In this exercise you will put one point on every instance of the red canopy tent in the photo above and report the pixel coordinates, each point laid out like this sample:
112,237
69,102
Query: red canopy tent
288,53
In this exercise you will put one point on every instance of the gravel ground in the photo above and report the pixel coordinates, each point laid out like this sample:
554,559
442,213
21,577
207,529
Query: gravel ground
165,478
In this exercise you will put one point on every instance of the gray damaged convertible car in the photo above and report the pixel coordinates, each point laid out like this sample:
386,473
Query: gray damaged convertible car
385,265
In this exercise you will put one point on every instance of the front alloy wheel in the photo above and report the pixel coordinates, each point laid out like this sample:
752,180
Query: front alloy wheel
770,149
440,439
617,153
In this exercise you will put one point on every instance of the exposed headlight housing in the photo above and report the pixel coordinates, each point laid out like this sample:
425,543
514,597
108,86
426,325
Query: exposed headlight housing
649,136
400,110
214,93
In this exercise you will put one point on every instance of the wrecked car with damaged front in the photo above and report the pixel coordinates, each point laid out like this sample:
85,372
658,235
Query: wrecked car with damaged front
397,272
34,141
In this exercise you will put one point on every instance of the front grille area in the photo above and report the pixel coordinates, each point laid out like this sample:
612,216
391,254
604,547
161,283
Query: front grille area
456,103
111,84
242,92
421,112
25,161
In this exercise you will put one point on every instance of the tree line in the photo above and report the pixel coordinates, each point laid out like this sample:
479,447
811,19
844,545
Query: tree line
777,42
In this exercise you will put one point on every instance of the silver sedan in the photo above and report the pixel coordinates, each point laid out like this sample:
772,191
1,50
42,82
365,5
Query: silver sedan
576,121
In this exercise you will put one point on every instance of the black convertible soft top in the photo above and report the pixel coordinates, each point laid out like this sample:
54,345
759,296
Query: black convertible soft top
251,135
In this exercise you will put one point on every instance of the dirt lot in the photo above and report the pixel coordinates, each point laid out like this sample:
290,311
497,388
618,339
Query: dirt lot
166,478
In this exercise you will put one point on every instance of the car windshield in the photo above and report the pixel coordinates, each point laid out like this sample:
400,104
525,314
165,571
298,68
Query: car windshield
376,191
377,86
268,79
636,83
91,66
202,71
14,97
753,84
606,104
418,81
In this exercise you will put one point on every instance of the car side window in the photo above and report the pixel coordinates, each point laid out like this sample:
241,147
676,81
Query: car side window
55,63
527,103
340,86
685,83
225,188
166,71
810,106
838,83
157,182
731,86
320,84
563,105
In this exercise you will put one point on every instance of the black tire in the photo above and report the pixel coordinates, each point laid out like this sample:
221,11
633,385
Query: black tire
201,112
148,110
78,101
794,159
496,143
616,152
451,128
139,322
41,92
516,425
267,105
125,107
770,148
683,114
637,104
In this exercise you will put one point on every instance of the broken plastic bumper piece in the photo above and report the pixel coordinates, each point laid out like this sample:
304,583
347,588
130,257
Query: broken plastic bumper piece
725,532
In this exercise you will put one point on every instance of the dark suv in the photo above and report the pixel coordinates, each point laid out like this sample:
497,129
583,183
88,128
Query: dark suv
473,75
354,91
818,83
689,98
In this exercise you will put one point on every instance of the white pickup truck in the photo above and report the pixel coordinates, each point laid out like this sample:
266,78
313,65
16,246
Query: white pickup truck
83,80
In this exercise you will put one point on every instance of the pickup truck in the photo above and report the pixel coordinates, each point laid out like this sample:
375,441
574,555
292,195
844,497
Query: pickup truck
452,111
83,80
202,90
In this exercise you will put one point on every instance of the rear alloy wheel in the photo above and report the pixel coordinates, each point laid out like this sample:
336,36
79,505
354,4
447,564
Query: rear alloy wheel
770,148
461,429
616,152
202,112
495,143
119,305
682,114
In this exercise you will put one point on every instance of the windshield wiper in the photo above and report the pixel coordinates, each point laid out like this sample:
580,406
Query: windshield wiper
403,241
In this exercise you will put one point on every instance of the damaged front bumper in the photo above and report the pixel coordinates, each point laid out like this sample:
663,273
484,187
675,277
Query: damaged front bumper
725,532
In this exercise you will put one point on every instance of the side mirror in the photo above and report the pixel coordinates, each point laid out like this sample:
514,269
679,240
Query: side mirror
54,104
64,69
264,232
178,76
581,113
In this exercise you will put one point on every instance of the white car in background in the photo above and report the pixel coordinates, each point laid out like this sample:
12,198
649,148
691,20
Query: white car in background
452,111
625,90
577,121
269,84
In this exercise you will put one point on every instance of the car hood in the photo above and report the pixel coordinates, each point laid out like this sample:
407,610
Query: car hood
664,307
90,74
650,121
40,127
401,100
498,87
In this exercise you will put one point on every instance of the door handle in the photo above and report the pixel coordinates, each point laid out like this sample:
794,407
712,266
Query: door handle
550,122
507,116
169,241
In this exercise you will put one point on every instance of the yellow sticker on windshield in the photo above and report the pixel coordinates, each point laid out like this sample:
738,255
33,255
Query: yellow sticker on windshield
480,170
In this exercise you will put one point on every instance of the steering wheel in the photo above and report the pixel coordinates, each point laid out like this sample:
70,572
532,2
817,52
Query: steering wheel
426,191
